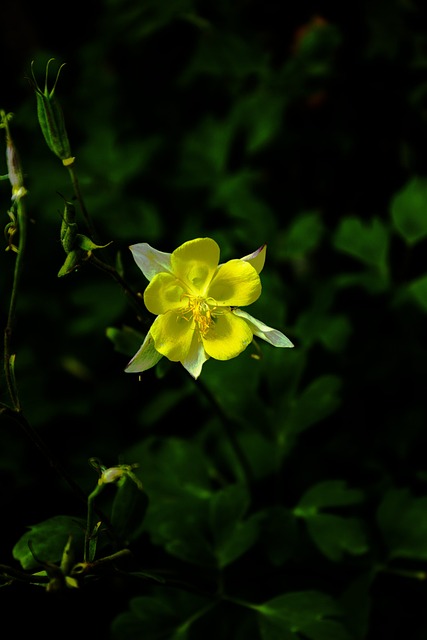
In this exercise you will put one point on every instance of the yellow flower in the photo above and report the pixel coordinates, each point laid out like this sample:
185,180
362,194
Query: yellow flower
196,301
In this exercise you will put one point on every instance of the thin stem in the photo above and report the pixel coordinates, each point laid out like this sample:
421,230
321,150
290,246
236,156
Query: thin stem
89,522
8,355
79,196
135,298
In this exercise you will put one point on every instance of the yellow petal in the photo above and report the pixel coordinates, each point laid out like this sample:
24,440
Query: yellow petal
172,336
149,260
196,357
235,284
257,258
194,263
228,337
163,293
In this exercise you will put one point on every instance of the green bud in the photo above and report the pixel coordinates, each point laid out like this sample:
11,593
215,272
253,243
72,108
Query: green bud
72,262
51,118
14,168
68,227
87,244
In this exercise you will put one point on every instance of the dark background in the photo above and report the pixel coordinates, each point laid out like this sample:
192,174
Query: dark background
153,98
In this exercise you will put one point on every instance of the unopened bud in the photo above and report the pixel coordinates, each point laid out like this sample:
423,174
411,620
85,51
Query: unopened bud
14,168
68,227
51,118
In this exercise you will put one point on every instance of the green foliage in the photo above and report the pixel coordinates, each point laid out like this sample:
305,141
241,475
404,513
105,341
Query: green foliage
408,210
368,242
402,519
282,494
169,614
45,541
333,534
305,614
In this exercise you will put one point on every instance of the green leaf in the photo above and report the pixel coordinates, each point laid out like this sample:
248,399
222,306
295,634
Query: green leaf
402,519
128,510
333,534
408,210
301,615
126,340
330,330
279,534
232,535
175,475
48,539
330,493
301,237
366,241
418,290
315,403
167,615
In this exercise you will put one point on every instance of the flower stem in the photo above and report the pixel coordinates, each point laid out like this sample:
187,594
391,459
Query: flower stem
9,357
135,298
80,200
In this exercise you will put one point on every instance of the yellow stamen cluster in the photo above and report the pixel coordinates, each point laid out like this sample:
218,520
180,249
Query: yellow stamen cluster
200,311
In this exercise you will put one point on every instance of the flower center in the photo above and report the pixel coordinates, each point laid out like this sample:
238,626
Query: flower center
200,311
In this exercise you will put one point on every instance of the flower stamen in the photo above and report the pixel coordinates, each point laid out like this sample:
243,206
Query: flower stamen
200,311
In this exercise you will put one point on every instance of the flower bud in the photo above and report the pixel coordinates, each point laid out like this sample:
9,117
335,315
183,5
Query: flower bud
51,118
14,168
68,227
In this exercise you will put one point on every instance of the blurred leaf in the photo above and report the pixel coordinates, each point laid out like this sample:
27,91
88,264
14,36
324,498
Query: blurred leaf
336,535
301,237
366,241
128,511
175,475
91,313
205,153
232,535
418,291
357,601
126,340
300,615
330,493
235,193
331,330
221,53
408,209
48,540
161,404
279,534
333,534
316,402
402,519
167,615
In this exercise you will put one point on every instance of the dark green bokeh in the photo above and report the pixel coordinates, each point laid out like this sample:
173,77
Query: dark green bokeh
303,127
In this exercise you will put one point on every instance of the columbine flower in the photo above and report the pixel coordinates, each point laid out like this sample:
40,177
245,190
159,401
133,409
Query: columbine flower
197,302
